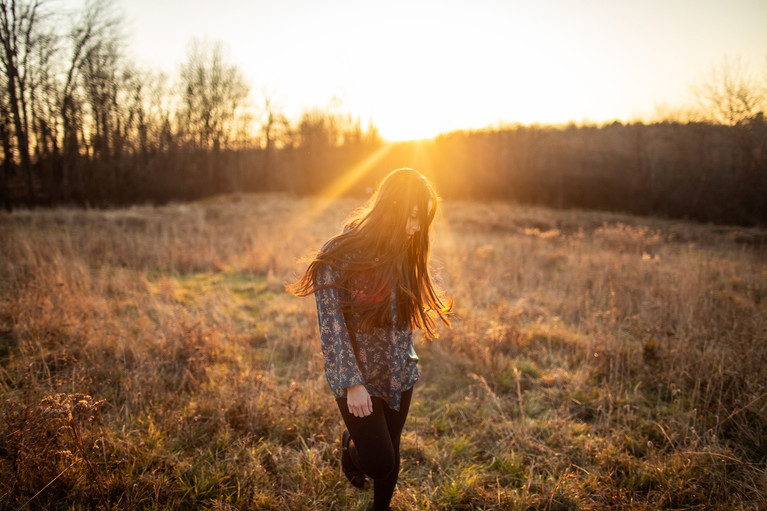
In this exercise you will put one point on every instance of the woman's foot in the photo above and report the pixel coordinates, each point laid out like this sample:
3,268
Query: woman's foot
352,473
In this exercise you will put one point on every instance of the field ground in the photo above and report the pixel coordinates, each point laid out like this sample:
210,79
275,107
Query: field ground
150,359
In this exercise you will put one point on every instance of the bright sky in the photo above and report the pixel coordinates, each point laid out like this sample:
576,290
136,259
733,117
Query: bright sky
421,67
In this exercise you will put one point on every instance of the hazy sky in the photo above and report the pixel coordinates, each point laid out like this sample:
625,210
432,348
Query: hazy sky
420,67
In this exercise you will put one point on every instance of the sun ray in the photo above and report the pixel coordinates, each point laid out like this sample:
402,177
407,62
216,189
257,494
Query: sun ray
350,178
324,199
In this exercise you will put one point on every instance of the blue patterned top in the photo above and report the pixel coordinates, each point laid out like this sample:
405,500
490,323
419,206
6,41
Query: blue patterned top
387,360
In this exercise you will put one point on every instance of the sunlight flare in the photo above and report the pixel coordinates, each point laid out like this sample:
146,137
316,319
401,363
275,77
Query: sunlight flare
349,179
322,201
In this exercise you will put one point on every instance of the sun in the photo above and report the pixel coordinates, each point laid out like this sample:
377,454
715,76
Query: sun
415,128
405,109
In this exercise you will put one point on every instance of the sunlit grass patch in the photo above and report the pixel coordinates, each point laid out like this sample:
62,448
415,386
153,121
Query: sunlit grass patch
509,467
186,289
460,487
555,338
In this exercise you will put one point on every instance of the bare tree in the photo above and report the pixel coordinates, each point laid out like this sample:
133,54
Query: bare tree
94,31
275,127
730,94
160,134
214,93
18,22
100,82
5,139
43,88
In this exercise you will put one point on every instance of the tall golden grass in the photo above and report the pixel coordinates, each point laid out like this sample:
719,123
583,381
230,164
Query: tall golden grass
150,359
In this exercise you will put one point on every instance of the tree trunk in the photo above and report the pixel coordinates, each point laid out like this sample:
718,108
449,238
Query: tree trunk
7,167
22,143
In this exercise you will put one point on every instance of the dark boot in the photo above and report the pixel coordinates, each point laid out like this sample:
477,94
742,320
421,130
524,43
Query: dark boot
352,473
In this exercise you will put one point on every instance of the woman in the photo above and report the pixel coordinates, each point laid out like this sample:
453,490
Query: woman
372,287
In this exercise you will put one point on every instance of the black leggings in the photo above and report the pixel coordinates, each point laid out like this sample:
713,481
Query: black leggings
375,444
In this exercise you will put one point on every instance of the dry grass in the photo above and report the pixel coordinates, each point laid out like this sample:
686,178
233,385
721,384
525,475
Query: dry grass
150,359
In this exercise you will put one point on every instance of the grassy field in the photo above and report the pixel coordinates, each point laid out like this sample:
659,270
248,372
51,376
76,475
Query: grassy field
150,359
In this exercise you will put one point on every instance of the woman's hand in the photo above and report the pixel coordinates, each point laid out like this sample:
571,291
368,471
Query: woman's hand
358,400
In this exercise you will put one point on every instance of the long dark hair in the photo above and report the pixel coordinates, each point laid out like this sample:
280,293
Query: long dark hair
375,254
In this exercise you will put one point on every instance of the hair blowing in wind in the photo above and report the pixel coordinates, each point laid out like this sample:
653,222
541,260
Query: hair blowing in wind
376,253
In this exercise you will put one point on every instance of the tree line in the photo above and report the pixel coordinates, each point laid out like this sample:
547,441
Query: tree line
81,124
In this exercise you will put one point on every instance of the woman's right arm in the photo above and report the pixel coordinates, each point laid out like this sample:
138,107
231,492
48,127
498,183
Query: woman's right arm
341,369
358,401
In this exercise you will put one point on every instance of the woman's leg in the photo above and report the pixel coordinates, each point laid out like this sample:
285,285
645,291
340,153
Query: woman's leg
375,444
395,421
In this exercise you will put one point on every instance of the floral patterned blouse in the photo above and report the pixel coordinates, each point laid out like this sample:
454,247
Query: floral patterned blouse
387,360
